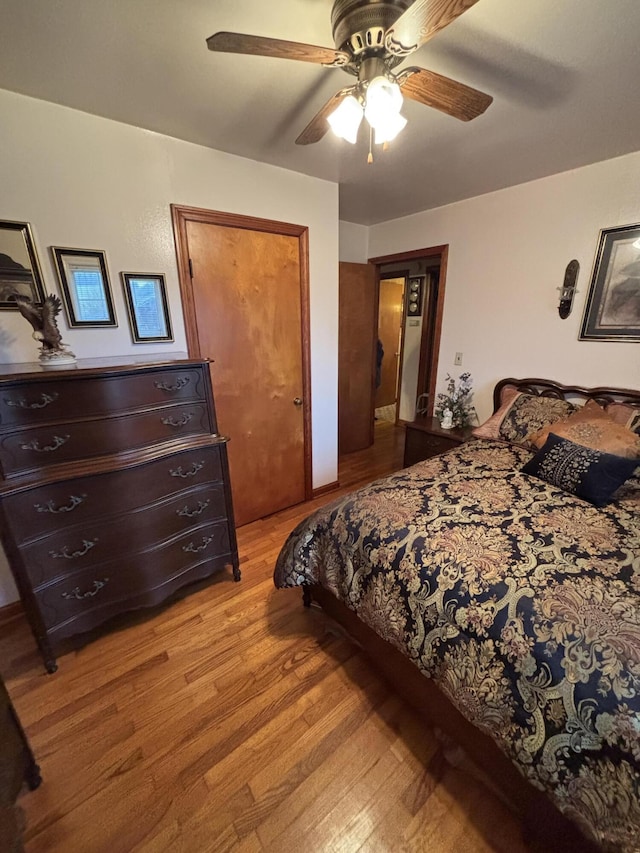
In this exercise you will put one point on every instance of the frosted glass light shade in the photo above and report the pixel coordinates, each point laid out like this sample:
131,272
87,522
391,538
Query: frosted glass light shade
392,127
384,99
345,119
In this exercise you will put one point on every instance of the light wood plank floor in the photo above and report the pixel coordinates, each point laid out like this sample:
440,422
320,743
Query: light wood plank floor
237,720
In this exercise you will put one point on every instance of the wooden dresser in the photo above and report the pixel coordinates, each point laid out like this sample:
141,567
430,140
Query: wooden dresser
425,438
17,766
114,489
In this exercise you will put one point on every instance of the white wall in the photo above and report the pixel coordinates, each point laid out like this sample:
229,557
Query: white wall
86,182
354,243
508,253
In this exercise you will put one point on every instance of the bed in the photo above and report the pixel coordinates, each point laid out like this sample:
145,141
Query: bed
517,599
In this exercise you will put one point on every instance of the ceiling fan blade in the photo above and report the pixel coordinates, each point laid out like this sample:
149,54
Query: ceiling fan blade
277,48
319,125
448,96
422,21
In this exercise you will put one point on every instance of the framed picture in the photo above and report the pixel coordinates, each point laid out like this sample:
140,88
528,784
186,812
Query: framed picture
612,311
146,296
84,283
19,268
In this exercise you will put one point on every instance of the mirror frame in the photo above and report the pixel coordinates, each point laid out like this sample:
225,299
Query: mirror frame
61,256
31,277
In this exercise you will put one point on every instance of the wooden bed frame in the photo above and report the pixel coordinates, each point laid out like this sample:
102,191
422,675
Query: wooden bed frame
541,819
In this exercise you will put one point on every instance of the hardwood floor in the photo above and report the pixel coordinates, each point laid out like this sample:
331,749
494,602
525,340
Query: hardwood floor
237,720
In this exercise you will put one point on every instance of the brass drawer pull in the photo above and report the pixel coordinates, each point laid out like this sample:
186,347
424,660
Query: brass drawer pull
45,399
206,541
191,513
51,507
182,382
87,545
178,472
75,593
58,441
172,422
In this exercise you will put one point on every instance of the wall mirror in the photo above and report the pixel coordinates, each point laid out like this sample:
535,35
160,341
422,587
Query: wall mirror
146,296
84,283
19,268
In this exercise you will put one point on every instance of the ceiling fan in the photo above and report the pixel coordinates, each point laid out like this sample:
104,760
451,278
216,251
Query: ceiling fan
372,38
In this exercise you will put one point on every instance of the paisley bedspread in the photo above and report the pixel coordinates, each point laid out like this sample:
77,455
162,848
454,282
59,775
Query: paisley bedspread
521,601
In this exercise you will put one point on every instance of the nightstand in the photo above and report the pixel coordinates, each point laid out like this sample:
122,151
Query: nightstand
425,438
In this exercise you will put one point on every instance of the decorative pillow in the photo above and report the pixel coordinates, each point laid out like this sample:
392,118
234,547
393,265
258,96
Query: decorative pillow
582,471
628,416
592,427
520,414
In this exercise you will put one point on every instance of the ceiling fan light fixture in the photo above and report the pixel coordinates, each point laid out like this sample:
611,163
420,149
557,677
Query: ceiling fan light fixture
345,119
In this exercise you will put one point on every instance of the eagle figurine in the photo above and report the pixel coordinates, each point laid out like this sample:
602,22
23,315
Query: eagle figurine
43,319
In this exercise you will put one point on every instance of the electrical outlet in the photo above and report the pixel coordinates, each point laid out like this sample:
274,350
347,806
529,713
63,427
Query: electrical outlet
458,359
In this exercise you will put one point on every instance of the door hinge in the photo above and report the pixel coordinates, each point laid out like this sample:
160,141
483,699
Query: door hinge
190,268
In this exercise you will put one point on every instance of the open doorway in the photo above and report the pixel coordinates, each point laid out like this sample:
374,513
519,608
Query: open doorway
389,347
406,316
410,305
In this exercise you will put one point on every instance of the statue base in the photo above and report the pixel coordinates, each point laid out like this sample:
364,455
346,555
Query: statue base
52,359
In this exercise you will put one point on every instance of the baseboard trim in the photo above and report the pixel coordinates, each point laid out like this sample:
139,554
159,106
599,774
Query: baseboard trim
324,490
10,611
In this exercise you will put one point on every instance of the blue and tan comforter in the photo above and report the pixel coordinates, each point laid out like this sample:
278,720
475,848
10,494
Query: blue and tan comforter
521,601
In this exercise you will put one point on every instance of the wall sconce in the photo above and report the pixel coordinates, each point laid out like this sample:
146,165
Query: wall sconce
568,289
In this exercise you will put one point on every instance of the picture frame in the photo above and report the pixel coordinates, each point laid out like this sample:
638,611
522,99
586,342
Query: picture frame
20,271
147,306
612,309
85,287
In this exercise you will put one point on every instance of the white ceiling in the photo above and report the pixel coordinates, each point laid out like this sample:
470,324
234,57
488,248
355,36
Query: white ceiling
563,73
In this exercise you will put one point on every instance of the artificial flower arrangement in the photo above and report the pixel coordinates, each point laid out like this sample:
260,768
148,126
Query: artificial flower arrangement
454,407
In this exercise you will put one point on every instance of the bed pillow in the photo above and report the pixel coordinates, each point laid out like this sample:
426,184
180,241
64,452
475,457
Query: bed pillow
521,414
589,474
628,416
592,427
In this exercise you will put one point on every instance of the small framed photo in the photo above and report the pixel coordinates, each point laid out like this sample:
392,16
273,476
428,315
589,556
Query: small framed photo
20,272
146,297
85,288
612,310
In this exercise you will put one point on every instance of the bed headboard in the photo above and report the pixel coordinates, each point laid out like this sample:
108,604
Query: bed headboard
548,388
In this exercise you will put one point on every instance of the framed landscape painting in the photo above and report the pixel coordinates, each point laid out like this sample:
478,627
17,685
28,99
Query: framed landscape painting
612,311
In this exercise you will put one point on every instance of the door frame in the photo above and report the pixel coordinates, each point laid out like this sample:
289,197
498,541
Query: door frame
180,215
432,332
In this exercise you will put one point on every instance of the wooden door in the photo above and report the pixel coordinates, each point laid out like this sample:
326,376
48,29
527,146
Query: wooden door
356,356
246,308
389,331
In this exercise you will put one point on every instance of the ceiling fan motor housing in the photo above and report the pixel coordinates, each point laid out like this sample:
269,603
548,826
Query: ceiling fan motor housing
360,25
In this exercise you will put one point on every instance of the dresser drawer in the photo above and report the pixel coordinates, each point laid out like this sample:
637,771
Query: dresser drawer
49,508
99,591
42,401
71,550
38,447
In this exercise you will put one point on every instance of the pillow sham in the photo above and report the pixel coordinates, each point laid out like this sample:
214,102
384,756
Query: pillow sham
521,414
590,474
628,416
592,427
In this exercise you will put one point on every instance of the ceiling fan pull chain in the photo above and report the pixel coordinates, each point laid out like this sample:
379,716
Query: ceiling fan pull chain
370,157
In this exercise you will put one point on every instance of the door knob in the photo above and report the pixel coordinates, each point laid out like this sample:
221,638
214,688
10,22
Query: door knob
297,401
